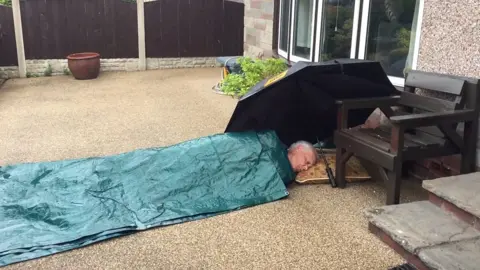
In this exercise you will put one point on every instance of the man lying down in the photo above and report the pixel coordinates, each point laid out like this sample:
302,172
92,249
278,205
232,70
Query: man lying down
50,207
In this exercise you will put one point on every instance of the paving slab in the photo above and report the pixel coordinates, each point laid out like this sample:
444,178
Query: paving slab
464,255
419,225
462,190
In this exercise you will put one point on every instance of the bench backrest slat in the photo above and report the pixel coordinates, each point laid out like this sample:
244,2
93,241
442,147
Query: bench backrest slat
435,82
425,103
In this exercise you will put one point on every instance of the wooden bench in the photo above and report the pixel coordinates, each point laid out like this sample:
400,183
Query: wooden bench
424,127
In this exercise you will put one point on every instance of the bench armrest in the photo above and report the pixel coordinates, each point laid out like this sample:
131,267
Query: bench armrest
433,119
364,103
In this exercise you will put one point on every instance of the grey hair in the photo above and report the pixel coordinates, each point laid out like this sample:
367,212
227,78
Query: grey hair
303,144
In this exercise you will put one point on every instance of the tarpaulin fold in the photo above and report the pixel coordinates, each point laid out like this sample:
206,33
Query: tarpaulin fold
50,207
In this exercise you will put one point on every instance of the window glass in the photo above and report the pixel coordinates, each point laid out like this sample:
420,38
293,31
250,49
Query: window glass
391,34
303,28
336,25
284,24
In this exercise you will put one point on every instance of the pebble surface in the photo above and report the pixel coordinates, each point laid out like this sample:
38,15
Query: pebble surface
316,227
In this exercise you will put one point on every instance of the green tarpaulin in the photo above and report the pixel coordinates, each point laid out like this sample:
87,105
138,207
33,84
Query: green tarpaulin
51,207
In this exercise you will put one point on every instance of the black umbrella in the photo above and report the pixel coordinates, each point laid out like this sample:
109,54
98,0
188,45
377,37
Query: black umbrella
299,104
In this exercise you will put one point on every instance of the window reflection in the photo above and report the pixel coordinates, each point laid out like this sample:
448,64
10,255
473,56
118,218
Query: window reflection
390,38
337,24
303,29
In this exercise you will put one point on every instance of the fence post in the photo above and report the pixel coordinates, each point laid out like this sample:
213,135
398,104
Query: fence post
17,22
142,57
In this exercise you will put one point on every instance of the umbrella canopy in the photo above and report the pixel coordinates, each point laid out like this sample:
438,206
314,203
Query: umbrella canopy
299,104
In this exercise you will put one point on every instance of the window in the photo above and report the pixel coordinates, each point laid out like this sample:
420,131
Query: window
381,30
390,33
284,27
335,29
303,29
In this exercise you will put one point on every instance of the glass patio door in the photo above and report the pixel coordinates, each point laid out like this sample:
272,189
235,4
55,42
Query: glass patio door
389,34
337,29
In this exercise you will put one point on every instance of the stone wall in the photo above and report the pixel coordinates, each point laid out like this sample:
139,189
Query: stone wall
59,66
8,72
258,34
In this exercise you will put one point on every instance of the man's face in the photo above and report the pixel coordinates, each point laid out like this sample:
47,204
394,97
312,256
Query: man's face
302,159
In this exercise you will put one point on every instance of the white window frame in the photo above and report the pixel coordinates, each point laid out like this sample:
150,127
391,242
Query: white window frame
362,48
281,52
293,57
356,18
418,35
359,33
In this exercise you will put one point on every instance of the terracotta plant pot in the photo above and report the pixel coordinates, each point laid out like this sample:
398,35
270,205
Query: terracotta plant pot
84,66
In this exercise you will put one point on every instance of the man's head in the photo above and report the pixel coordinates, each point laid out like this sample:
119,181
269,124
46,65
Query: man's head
302,156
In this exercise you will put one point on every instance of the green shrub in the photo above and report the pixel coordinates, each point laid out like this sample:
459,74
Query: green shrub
254,71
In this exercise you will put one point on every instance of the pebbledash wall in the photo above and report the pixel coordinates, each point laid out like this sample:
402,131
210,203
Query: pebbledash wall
450,37
38,67
192,50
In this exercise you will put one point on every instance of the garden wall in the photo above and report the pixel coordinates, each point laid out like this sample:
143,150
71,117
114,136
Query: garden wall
178,33
59,66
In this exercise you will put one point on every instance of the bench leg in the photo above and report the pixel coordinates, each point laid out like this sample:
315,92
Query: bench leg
340,168
469,150
393,185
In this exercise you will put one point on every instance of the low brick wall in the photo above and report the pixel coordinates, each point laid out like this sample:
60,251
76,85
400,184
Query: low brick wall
60,66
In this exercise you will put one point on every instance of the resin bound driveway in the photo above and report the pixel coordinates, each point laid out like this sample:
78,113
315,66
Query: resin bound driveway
54,118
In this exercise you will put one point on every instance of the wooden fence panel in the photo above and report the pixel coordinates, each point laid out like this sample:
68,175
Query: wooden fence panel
234,26
55,28
200,28
8,48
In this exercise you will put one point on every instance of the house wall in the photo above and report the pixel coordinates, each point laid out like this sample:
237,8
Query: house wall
450,37
258,34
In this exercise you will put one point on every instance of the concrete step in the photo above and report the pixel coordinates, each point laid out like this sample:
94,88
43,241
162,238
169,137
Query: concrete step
464,255
457,194
413,227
